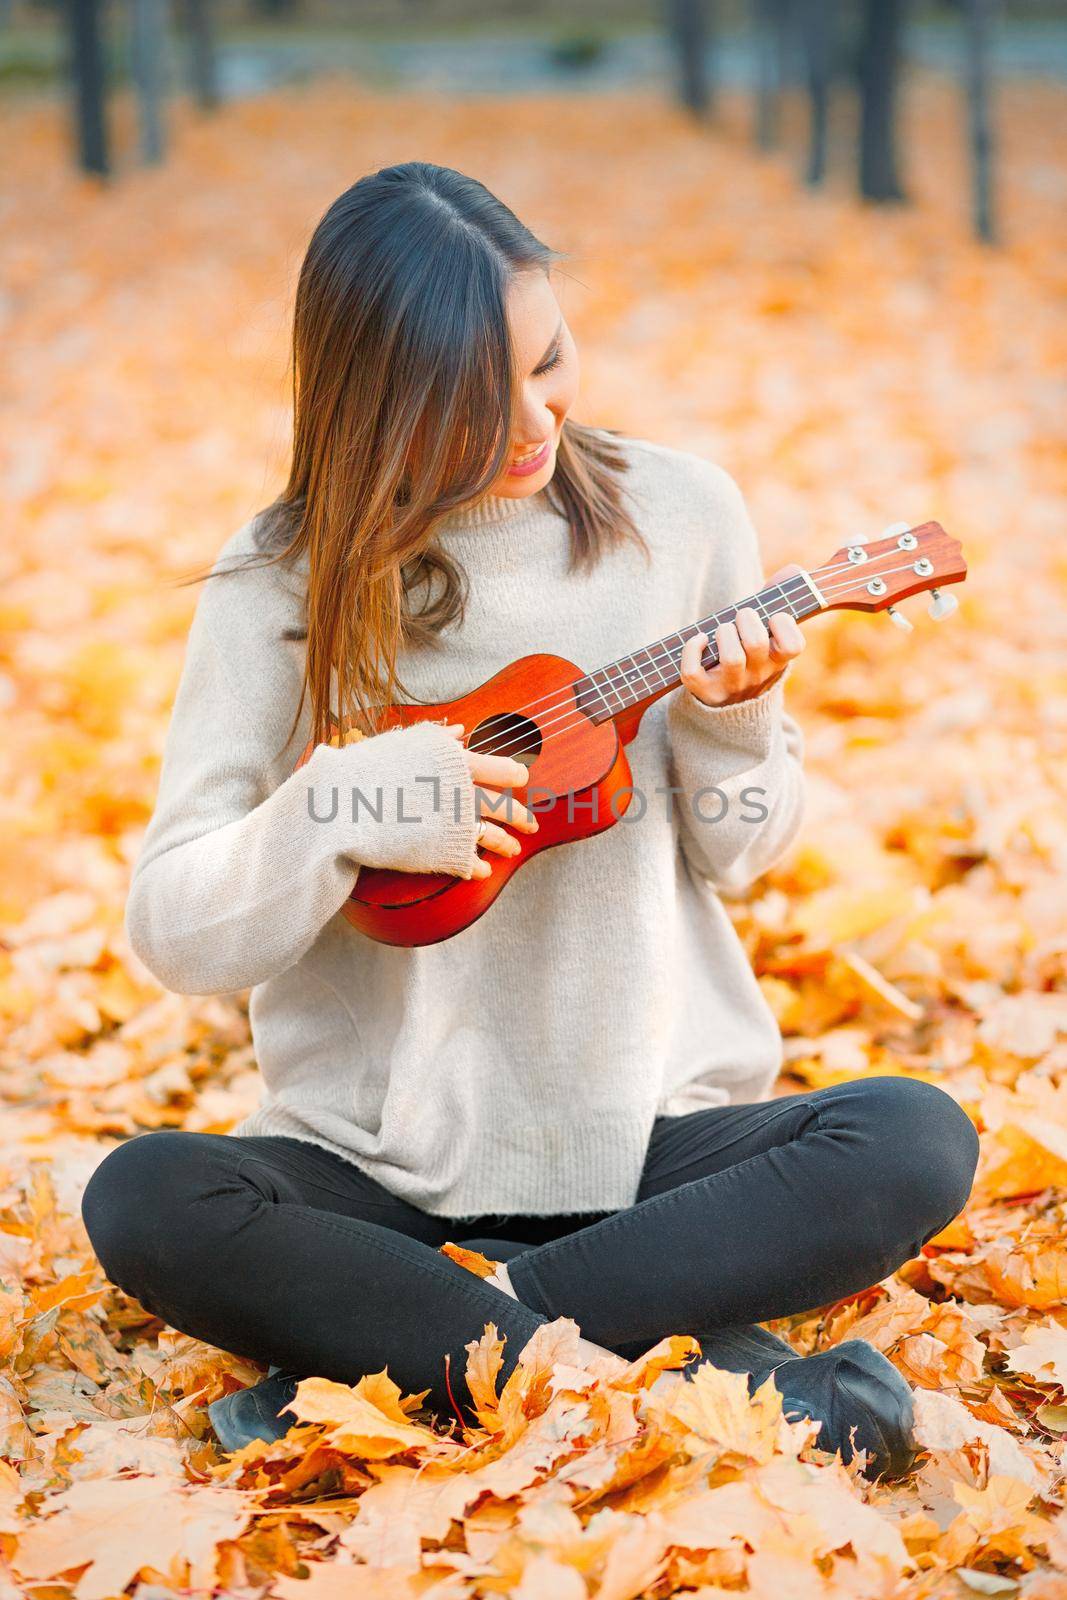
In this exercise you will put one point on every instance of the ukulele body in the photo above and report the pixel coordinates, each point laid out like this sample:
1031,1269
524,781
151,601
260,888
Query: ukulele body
578,785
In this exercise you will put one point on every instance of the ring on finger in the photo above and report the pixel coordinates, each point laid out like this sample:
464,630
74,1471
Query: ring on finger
482,826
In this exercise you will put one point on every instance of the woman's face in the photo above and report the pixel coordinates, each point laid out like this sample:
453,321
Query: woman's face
547,361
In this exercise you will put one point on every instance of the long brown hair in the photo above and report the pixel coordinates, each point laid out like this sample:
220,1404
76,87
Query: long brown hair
404,399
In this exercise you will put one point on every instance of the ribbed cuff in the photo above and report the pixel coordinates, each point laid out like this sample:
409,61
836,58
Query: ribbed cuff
419,779
445,758
747,723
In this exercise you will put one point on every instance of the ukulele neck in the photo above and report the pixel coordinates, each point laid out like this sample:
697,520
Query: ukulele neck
639,679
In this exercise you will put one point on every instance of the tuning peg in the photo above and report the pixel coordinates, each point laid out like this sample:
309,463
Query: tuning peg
895,529
900,619
942,605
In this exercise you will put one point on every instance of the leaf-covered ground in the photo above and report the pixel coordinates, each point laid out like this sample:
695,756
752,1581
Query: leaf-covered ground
851,368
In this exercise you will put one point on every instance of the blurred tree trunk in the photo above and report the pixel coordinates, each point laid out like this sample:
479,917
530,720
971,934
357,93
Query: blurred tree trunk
772,23
979,90
84,19
879,69
203,61
149,53
689,26
818,20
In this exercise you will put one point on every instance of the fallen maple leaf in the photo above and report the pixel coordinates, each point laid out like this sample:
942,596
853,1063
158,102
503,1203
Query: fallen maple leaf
114,1528
356,1421
715,1405
1042,1355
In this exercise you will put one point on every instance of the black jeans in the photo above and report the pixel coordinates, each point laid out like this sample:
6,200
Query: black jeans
283,1252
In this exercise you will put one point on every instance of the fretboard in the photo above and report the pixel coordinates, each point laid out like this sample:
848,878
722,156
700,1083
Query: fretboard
647,673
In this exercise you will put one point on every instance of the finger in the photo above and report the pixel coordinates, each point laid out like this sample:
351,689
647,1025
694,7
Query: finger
755,638
499,772
481,868
733,664
498,840
503,806
690,665
787,640
790,571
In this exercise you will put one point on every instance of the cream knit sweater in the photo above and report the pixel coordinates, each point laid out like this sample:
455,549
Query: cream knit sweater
516,1067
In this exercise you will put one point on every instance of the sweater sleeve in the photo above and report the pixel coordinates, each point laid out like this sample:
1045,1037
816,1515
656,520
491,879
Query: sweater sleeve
244,859
737,769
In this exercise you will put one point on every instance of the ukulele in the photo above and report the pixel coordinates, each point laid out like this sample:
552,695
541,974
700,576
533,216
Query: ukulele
569,727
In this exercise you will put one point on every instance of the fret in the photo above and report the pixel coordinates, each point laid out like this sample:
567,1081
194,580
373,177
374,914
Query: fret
647,653
604,697
647,672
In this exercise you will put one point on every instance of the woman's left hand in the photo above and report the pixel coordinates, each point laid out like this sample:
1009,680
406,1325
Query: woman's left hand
751,656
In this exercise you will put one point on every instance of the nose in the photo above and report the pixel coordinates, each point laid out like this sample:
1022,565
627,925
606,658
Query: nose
538,418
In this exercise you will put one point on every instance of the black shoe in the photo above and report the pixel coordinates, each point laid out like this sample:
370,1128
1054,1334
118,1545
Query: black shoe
256,1413
853,1390
852,1386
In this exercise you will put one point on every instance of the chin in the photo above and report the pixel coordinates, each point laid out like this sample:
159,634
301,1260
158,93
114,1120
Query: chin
523,492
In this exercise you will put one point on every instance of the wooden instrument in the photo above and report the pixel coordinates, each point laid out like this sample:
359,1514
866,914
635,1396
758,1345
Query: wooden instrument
569,727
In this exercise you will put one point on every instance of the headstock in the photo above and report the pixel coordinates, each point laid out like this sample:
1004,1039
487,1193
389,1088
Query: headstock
906,561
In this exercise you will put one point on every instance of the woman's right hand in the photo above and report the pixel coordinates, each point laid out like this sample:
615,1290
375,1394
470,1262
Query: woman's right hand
495,779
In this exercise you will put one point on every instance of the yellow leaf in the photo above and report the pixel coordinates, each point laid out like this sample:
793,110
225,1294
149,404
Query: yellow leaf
833,916
354,1422
108,1531
1042,1355
73,1291
716,1406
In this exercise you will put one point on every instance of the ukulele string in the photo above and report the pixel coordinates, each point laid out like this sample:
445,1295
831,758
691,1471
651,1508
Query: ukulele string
565,706
564,702
565,698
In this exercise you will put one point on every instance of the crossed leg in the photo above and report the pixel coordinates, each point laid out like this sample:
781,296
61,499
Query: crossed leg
281,1251
750,1212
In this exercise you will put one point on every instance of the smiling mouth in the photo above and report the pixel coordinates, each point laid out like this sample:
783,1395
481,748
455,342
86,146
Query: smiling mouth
529,454
533,461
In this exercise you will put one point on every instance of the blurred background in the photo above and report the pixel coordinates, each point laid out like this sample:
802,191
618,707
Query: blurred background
699,50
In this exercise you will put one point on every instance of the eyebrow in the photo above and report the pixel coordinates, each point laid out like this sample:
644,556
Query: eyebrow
552,345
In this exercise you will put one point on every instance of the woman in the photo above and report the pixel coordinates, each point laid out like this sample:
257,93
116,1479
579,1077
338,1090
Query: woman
575,1085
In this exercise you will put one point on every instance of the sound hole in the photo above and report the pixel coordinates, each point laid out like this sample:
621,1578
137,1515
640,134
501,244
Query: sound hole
507,734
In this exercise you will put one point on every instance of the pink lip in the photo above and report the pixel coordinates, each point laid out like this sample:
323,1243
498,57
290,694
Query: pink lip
531,466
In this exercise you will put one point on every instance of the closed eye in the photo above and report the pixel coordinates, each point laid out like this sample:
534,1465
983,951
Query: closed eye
553,361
